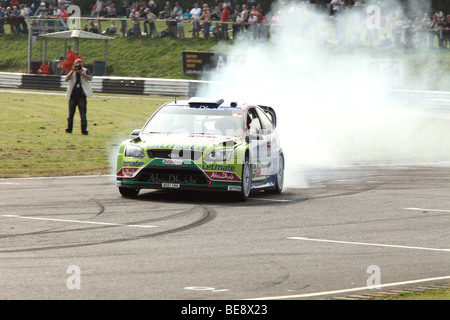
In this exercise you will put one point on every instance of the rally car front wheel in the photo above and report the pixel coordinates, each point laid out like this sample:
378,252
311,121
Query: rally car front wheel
129,192
246,184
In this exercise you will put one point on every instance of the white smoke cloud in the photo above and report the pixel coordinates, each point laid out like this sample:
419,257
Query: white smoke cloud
333,107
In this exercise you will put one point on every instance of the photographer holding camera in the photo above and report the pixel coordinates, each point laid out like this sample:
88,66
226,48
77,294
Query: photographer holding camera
78,89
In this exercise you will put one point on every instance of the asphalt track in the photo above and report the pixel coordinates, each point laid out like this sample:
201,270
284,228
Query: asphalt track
353,229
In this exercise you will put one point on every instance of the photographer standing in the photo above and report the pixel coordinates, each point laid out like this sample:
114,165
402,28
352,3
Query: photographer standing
78,89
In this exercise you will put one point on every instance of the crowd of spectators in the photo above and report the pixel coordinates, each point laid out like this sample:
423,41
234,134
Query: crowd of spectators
14,13
239,19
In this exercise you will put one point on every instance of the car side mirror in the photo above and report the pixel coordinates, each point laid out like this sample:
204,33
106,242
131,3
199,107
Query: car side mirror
136,132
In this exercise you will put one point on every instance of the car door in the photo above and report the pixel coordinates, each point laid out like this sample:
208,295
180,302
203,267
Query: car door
258,139
271,149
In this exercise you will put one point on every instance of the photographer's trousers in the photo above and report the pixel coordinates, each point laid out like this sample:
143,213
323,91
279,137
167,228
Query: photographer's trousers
81,102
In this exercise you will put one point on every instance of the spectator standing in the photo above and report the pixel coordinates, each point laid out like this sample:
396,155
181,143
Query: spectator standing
171,21
253,22
424,33
416,32
216,14
112,11
447,31
8,18
97,8
123,8
439,14
24,13
407,27
245,15
195,12
50,15
153,7
78,90
371,32
432,31
2,21
439,29
70,58
397,30
135,16
164,14
206,16
62,14
180,23
225,17
15,13
149,23
236,19
14,3
175,10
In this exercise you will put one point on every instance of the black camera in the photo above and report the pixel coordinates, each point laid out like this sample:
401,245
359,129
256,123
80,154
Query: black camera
78,67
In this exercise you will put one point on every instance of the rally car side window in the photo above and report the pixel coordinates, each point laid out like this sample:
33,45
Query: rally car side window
266,123
253,124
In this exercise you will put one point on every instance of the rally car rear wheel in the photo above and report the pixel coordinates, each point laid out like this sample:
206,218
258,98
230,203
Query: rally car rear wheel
279,181
279,177
129,192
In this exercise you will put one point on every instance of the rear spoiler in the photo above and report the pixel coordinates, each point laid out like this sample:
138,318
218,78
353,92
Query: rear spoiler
271,113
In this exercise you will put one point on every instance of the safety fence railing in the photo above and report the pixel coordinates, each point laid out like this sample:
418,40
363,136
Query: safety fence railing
118,85
188,88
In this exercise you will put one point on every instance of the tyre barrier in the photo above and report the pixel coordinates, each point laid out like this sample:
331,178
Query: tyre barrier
117,85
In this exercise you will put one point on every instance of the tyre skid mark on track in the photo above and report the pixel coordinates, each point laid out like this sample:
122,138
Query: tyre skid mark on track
102,227
349,192
207,215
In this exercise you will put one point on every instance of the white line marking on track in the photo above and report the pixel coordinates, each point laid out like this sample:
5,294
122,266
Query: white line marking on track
368,244
431,210
80,221
325,293
275,200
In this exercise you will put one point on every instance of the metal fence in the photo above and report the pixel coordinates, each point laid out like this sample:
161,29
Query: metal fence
188,88
119,85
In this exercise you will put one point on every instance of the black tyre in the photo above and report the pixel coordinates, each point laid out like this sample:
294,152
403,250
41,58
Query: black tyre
246,184
129,192
279,181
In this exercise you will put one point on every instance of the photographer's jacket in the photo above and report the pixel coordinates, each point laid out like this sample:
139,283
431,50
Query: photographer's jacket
78,85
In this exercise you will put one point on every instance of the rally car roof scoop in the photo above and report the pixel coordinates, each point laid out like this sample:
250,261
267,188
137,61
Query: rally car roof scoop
196,102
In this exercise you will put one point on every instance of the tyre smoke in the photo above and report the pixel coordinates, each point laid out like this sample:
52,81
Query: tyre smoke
336,104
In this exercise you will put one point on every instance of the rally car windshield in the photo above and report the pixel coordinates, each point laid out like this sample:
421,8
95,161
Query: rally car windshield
196,121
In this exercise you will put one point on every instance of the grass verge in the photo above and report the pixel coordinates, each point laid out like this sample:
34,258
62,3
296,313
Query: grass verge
33,139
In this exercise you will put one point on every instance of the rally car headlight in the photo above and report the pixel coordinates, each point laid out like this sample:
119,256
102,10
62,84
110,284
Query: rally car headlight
219,155
134,151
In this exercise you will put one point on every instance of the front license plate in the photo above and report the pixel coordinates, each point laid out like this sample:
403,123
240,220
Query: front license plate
170,185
